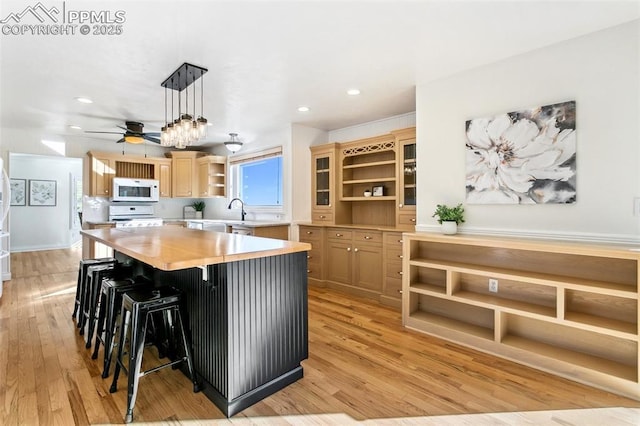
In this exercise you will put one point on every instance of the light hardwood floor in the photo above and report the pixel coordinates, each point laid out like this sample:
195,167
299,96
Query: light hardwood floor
363,367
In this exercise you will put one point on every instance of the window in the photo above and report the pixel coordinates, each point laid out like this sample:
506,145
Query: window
257,179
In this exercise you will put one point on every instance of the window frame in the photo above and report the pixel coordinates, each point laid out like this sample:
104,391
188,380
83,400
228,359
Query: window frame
234,181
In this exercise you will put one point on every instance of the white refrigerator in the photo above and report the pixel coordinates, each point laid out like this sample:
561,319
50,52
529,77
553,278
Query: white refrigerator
5,203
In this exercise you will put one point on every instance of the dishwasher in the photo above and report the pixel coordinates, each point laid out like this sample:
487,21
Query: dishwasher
207,226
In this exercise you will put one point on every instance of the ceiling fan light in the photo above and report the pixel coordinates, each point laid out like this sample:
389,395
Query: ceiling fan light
133,139
233,144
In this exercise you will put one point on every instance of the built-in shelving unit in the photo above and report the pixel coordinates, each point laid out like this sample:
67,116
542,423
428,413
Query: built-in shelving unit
566,308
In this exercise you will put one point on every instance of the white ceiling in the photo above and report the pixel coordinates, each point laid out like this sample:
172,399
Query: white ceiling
266,58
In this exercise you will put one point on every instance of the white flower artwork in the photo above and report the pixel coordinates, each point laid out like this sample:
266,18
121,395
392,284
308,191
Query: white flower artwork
42,192
523,157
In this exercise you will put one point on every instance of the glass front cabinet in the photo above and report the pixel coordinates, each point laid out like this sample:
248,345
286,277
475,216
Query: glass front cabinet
407,164
323,183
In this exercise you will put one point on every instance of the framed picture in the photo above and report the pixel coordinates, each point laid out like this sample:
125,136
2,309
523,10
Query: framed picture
378,191
42,192
18,192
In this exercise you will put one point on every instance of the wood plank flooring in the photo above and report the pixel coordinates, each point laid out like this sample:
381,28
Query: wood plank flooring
363,367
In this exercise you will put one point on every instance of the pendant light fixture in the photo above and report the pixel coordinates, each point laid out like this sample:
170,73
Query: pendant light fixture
184,130
233,144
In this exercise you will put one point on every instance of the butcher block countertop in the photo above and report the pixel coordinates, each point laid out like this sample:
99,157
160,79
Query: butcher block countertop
171,248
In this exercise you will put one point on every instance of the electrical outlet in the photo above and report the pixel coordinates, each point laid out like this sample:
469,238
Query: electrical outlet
493,285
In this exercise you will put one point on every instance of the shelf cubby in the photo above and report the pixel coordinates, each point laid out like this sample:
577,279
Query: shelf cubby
602,310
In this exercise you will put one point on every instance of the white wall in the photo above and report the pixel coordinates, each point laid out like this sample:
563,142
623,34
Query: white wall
373,128
44,227
600,72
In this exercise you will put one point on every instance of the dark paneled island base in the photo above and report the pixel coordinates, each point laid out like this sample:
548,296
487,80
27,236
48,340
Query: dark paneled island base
248,322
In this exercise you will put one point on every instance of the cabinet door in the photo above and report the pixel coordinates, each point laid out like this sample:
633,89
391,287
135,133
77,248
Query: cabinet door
102,172
164,176
183,177
407,174
322,181
203,179
368,267
339,261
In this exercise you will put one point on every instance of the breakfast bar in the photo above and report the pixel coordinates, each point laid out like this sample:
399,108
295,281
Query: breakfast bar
246,299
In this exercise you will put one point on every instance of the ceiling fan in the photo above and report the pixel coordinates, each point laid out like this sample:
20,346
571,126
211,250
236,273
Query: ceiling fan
133,133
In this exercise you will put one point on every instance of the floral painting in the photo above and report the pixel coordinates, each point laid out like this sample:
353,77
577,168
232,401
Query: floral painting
42,192
523,157
18,192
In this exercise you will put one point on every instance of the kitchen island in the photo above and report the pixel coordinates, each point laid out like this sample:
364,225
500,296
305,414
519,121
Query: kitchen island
246,298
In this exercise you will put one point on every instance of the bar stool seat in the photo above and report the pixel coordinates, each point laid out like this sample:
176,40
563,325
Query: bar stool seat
82,276
137,308
111,293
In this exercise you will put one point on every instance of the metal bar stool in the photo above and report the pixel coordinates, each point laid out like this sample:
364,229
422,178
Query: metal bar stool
95,275
110,304
82,276
137,308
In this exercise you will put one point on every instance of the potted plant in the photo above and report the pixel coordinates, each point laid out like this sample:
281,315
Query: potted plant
198,206
449,217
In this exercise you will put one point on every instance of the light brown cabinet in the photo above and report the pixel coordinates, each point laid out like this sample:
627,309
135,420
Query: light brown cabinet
567,308
163,175
101,174
315,257
354,261
407,177
197,175
392,249
324,205
212,176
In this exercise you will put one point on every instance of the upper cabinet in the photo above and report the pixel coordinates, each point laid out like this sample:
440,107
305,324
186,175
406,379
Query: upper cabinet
324,205
212,172
198,175
366,182
190,174
407,167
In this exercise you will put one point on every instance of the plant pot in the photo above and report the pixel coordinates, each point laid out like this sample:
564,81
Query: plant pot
198,215
449,227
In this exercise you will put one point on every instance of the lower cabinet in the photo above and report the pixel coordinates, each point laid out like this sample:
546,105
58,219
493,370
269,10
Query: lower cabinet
353,260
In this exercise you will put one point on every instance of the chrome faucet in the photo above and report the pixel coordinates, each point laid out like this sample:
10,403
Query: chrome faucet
242,212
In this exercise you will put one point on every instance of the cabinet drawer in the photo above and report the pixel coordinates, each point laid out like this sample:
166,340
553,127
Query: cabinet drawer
393,239
310,234
370,237
407,219
393,287
314,255
392,255
339,234
321,217
394,270
314,270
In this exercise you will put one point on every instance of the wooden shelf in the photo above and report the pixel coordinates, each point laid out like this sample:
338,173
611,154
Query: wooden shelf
567,308
425,288
383,198
612,289
431,319
370,164
627,330
591,362
371,180
487,301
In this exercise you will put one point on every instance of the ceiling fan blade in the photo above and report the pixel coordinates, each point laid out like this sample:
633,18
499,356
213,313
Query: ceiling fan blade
154,134
109,133
121,140
123,128
150,139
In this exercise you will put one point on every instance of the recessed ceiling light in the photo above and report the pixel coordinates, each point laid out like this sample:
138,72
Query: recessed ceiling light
303,108
353,92
74,127
84,100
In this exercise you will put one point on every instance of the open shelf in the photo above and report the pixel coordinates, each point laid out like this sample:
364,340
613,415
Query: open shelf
383,198
431,319
567,308
370,164
615,289
373,180
505,304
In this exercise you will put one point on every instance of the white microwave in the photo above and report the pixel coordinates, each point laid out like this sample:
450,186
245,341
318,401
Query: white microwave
128,189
